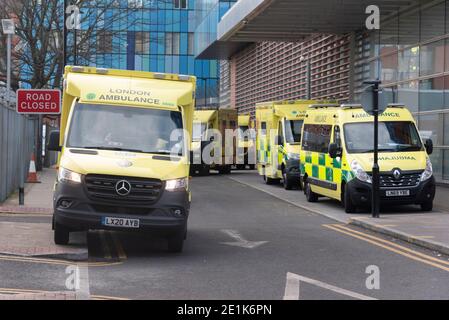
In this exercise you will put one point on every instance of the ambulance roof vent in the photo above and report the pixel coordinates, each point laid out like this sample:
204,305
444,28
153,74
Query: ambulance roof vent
351,106
159,75
184,77
324,105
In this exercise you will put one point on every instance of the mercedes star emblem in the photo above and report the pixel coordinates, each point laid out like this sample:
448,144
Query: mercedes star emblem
123,188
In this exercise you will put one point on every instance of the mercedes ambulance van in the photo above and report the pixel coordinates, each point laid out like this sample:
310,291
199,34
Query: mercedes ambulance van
337,157
206,125
246,142
279,125
124,142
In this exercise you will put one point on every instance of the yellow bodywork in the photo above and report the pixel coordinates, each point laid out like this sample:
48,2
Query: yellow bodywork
270,156
336,171
219,120
131,89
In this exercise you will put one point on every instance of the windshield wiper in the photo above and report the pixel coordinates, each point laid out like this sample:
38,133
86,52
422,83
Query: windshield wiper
115,149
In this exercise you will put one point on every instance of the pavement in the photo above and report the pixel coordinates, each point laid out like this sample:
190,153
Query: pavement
25,238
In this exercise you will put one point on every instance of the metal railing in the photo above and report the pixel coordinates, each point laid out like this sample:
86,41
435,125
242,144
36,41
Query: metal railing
17,142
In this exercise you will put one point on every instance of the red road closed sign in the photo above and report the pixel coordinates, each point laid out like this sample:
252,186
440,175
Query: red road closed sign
38,101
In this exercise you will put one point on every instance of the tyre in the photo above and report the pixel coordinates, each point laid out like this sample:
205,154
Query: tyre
176,242
252,167
427,206
225,170
270,181
300,184
61,234
347,201
310,195
241,167
287,183
204,171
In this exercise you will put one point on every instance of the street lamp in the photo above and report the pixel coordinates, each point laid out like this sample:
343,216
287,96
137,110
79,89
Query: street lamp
9,29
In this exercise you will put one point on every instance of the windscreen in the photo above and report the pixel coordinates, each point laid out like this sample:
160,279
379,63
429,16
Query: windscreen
293,130
394,136
124,128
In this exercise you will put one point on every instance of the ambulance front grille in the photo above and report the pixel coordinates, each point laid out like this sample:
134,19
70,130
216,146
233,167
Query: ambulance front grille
103,187
405,180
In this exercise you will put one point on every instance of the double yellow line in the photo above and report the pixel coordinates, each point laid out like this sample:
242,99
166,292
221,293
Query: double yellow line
391,246
109,246
56,261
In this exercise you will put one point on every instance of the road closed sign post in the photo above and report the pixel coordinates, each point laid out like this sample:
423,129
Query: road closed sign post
38,101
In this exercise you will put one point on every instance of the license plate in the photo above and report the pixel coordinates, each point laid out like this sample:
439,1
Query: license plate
398,193
120,222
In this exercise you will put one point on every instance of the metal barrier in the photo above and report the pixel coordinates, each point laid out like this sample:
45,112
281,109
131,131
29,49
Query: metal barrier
17,142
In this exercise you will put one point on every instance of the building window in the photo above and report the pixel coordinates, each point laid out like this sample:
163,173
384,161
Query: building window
180,4
175,38
191,43
142,42
169,43
104,41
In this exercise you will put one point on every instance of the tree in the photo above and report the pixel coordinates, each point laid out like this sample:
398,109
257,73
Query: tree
38,54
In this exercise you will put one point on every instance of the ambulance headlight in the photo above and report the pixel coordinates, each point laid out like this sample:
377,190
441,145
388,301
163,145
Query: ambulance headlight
294,156
177,184
428,172
359,172
68,176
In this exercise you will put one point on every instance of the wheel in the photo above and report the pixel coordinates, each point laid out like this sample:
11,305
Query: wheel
310,195
252,167
287,183
241,167
61,234
347,201
427,206
176,242
204,171
270,181
225,170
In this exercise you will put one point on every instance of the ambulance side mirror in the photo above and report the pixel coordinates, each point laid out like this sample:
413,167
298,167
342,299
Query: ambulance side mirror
53,141
279,140
429,146
334,151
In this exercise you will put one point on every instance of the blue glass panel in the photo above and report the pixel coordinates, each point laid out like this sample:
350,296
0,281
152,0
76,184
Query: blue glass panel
184,21
160,64
183,65
183,44
130,50
153,63
169,64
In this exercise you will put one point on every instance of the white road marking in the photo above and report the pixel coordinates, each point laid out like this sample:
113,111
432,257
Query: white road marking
240,241
294,280
83,291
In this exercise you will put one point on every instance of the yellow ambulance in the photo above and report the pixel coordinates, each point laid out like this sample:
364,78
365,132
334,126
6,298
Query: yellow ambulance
209,147
337,157
124,145
279,125
246,142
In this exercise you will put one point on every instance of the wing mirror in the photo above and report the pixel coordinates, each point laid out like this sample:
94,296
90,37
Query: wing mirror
335,151
53,141
429,146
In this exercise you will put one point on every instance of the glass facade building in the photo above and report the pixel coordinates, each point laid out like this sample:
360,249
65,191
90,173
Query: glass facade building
147,35
410,54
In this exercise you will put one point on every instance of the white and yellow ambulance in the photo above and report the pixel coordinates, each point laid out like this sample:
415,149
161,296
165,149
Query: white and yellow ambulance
279,125
210,149
124,146
246,142
337,157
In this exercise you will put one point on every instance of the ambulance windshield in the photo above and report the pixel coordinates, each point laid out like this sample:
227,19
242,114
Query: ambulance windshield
293,130
394,136
121,128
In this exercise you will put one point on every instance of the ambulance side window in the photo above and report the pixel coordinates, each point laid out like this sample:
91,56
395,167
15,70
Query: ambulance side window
337,136
263,128
316,138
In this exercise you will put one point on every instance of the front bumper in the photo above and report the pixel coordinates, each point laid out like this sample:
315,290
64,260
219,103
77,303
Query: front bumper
167,215
360,193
